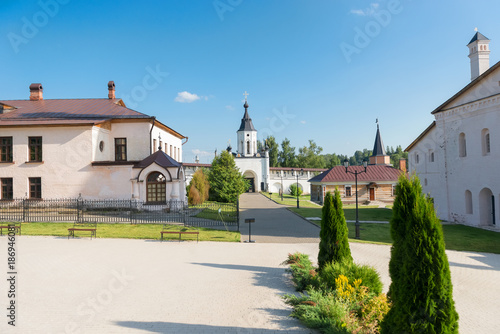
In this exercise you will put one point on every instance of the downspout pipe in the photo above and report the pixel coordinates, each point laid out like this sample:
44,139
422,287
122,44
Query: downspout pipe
153,118
186,140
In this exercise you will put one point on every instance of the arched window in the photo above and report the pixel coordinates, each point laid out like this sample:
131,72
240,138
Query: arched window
417,158
485,141
248,147
468,202
431,156
462,145
156,188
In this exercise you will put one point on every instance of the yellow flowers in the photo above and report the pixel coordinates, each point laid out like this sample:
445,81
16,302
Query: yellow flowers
345,290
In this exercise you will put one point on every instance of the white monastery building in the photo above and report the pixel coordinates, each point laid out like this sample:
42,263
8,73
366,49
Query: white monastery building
99,148
457,156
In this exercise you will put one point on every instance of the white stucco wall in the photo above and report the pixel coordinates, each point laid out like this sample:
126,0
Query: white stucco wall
252,167
451,175
68,153
173,143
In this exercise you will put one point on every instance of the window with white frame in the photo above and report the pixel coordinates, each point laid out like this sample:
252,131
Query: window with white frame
348,192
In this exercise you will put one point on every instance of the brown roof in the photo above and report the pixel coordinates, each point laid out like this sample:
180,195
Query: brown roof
160,158
66,109
373,173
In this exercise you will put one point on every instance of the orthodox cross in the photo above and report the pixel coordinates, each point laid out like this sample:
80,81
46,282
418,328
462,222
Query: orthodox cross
246,94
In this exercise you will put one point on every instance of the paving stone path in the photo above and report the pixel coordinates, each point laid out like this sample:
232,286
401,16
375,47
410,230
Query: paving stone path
273,222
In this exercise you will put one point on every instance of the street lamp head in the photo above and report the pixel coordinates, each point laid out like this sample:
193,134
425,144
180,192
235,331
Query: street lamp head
346,164
365,163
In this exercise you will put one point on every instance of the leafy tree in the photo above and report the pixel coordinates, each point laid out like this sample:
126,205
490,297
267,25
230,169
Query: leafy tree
334,243
286,157
309,157
294,189
332,160
273,147
198,188
421,290
396,155
260,146
225,179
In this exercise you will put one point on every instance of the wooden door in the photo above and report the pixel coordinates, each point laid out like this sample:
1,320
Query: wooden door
372,194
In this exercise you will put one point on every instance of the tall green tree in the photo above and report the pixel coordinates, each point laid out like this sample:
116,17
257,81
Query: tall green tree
309,157
273,148
225,179
198,188
421,291
334,243
396,155
286,156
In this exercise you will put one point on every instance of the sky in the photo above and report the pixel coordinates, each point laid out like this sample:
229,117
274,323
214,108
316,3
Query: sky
321,70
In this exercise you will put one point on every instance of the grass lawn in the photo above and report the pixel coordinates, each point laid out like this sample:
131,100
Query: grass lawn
227,213
365,213
456,237
292,200
128,231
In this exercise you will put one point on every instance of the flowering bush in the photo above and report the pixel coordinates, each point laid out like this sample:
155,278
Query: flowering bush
344,305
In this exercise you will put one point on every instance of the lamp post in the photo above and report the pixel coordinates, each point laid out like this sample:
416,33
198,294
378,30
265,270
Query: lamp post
356,173
297,174
281,174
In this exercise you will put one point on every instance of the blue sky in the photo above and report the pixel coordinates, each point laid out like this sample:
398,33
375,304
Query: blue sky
321,70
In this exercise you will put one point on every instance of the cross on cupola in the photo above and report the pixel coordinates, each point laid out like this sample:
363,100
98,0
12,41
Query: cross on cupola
159,142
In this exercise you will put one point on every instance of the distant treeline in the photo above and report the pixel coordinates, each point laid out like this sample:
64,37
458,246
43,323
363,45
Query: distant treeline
285,155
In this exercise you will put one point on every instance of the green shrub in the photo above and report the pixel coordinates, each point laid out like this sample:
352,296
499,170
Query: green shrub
334,242
320,311
294,190
421,291
368,275
303,273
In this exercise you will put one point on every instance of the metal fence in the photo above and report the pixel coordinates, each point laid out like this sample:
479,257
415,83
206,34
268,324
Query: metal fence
209,214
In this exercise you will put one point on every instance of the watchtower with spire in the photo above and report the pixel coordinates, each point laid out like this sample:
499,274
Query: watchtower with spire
379,156
479,54
247,135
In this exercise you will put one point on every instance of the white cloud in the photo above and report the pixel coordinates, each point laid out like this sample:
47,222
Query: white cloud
366,12
186,97
200,152
303,122
228,107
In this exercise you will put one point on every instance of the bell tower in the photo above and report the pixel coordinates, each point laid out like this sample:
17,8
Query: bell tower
479,54
247,135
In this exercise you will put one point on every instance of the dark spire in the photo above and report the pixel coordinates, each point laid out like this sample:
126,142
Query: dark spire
378,148
478,36
246,121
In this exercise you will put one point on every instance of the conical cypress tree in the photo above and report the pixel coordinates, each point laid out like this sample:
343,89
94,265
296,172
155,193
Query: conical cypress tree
421,291
334,243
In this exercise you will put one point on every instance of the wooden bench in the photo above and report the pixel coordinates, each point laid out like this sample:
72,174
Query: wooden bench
17,228
84,227
180,233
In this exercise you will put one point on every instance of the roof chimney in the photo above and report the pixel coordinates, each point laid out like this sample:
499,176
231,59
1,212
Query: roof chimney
479,54
36,92
402,165
111,90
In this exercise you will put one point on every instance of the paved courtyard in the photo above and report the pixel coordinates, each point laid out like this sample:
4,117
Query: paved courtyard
144,286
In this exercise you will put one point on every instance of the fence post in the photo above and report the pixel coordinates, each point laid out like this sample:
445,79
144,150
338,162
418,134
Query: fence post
238,212
24,209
